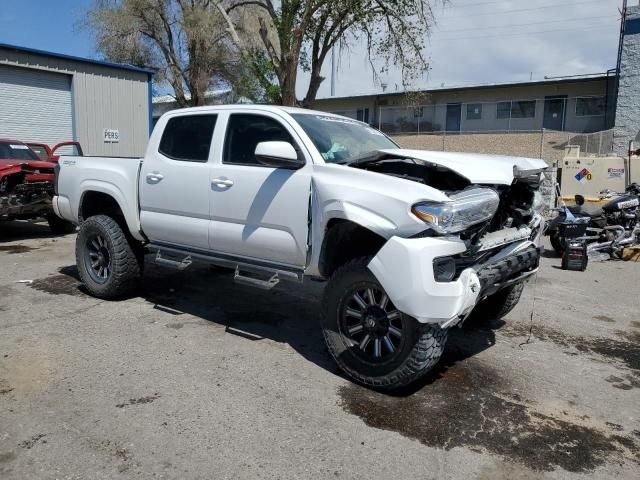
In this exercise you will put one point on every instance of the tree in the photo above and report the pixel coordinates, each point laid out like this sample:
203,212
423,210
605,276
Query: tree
185,41
301,33
258,46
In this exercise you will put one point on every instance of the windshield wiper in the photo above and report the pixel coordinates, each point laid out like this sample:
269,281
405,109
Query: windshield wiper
368,157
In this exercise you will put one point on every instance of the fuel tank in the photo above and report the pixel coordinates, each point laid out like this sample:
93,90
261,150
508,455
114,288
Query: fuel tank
620,203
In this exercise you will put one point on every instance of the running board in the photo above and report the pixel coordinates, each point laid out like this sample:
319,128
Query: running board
181,259
168,262
256,282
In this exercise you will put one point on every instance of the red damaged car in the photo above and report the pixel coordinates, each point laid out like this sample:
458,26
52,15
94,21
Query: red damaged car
49,154
26,186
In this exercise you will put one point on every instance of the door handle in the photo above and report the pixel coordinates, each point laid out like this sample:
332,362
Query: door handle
222,182
154,176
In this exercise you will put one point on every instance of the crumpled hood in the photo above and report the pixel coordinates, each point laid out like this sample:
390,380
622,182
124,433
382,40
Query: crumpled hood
475,167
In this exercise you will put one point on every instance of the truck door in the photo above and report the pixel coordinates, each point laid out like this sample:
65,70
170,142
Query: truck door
258,211
174,183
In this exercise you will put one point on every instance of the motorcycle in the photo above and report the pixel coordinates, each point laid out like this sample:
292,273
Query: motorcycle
610,227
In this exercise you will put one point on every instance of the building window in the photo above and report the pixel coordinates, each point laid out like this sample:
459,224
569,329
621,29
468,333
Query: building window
504,110
523,109
188,138
418,112
516,109
363,115
589,106
474,111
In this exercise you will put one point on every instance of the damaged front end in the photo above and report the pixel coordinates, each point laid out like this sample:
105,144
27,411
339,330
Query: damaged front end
25,192
484,239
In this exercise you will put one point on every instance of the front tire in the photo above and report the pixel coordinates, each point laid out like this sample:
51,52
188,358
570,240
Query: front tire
371,341
106,258
500,303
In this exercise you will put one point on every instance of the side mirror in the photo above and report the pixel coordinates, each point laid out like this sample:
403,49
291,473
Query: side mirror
278,155
579,199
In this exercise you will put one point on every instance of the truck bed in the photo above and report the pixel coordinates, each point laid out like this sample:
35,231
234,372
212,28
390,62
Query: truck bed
115,176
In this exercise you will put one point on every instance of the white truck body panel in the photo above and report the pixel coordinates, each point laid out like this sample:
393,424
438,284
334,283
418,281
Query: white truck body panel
276,215
114,176
404,268
476,167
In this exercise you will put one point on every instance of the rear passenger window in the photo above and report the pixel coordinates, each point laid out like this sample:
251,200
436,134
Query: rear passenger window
245,132
188,138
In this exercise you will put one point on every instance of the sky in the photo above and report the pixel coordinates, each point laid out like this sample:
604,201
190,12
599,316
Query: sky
473,41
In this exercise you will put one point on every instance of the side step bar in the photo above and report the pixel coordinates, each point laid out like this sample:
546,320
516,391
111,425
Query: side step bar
256,282
181,259
169,262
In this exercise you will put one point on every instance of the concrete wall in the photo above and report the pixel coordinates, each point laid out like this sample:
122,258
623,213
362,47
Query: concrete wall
627,126
103,98
549,146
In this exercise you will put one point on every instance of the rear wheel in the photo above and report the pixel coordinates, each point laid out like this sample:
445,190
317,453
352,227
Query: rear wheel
109,263
369,338
557,242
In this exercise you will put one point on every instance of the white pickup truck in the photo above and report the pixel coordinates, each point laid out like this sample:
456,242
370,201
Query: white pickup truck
411,242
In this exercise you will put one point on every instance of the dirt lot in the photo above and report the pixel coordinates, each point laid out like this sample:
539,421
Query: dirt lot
199,378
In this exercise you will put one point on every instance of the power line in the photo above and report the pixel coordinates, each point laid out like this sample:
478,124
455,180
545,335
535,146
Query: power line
523,33
564,20
525,9
479,4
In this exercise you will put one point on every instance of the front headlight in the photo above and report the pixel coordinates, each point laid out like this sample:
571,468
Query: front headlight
465,209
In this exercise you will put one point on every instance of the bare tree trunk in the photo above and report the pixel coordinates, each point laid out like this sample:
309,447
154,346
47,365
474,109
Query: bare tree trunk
314,84
288,85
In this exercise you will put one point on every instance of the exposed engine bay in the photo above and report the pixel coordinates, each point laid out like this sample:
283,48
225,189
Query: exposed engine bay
517,201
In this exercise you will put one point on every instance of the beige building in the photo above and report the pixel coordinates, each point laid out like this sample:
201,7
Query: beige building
48,97
574,104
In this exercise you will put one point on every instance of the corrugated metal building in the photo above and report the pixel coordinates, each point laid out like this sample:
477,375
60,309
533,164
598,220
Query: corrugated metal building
48,97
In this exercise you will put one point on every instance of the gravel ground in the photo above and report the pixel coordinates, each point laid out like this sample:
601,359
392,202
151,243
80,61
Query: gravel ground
195,377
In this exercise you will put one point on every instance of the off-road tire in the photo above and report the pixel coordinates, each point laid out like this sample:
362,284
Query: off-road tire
125,256
499,304
557,242
421,348
59,226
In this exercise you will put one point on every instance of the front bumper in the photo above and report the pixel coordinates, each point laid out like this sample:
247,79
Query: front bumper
404,268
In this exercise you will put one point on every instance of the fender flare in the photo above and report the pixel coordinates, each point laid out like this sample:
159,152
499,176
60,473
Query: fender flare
132,219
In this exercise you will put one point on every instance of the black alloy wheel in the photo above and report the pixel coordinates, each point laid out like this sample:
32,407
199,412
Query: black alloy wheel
98,258
370,324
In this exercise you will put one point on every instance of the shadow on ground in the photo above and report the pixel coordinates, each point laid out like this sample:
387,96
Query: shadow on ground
286,314
11,231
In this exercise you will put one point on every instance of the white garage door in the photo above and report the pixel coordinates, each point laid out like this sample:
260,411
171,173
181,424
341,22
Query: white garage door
35,105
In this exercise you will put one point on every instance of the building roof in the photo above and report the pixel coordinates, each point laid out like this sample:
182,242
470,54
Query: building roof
76,59
207,94
454,88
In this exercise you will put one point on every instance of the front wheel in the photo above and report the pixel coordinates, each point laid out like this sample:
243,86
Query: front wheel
557,242
498,305
369,338
109,264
